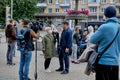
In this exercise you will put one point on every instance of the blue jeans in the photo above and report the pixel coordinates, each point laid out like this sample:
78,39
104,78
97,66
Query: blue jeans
10,52
25,59
64,59
14,49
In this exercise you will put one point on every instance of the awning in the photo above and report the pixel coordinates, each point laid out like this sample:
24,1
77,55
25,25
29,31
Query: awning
50,15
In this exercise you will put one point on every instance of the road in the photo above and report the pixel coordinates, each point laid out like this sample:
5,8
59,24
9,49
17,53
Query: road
11,72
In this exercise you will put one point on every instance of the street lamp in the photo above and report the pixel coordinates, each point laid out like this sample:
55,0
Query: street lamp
11,9
76,8
98,5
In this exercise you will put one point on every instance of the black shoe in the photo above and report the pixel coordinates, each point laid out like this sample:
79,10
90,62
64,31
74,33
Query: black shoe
29,79
65,72
12,64
59,70
8,63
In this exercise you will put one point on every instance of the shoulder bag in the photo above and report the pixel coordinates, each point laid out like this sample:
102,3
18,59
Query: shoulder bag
95,56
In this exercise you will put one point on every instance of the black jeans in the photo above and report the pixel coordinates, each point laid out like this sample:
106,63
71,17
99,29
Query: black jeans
105,72
47,63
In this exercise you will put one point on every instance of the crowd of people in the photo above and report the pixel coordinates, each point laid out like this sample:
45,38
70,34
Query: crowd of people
67,45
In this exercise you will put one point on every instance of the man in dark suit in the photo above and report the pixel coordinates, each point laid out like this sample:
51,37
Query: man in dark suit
66,45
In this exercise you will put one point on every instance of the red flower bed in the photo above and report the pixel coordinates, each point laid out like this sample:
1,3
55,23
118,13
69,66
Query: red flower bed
69,12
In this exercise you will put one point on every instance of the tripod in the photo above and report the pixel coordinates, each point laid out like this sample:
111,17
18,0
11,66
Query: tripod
35,74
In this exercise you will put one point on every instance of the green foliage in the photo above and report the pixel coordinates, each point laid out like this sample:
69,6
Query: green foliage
24,9
2,10
21,9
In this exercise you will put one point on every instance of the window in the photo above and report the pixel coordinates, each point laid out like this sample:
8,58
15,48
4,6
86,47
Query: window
57,10
83,9
50,1
57,1
42,1
103,9
103,1
50,10
93,10
66,1
93,0
42,10
66,9
83,1
111,1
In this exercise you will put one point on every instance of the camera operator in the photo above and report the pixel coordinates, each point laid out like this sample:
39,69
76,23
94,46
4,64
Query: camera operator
36,25
26,55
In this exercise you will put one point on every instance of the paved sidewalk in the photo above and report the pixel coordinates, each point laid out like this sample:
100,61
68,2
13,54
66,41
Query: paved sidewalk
11,72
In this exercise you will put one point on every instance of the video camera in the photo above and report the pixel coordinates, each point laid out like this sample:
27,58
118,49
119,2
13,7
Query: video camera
36,25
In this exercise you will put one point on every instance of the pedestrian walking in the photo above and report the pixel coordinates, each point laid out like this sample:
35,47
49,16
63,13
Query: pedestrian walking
66,46
11,39
48,48
26,53
108,65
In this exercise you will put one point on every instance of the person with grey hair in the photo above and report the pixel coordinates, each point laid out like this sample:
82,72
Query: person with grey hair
90,33
48,48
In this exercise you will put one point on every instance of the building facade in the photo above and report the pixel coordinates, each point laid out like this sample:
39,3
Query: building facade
55,10
97,7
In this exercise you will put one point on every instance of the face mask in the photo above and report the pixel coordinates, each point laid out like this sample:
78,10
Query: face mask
50,31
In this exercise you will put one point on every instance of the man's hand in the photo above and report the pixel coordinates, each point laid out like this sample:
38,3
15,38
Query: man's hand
66,50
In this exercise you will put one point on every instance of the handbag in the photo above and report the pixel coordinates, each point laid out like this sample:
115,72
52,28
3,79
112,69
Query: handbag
95,56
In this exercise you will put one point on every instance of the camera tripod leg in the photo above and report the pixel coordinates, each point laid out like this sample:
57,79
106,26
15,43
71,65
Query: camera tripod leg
35,74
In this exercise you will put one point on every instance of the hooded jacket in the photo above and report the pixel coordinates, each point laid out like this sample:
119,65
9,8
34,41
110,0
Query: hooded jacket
104,35
10,33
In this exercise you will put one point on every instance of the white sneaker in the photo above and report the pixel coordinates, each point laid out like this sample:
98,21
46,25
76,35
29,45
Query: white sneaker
48,70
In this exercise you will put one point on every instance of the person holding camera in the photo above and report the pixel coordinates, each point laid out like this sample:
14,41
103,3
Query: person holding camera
48,48
26,54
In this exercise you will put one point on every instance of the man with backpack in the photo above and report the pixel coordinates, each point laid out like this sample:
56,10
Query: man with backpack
26,46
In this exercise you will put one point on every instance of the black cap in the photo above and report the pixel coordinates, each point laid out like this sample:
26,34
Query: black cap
110,11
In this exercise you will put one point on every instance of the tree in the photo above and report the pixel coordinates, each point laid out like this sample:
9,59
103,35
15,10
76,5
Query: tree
21,9
2,10
24,9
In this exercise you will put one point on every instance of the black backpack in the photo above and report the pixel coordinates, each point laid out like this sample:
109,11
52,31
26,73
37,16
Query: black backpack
21,43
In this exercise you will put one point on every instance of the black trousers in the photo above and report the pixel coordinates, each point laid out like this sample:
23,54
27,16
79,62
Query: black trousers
47,63
105,72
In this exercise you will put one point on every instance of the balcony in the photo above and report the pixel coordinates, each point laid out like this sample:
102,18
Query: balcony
95,4
65,5
118,4
42,5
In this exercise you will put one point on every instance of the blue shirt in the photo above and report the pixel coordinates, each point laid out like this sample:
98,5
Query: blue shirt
104,35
